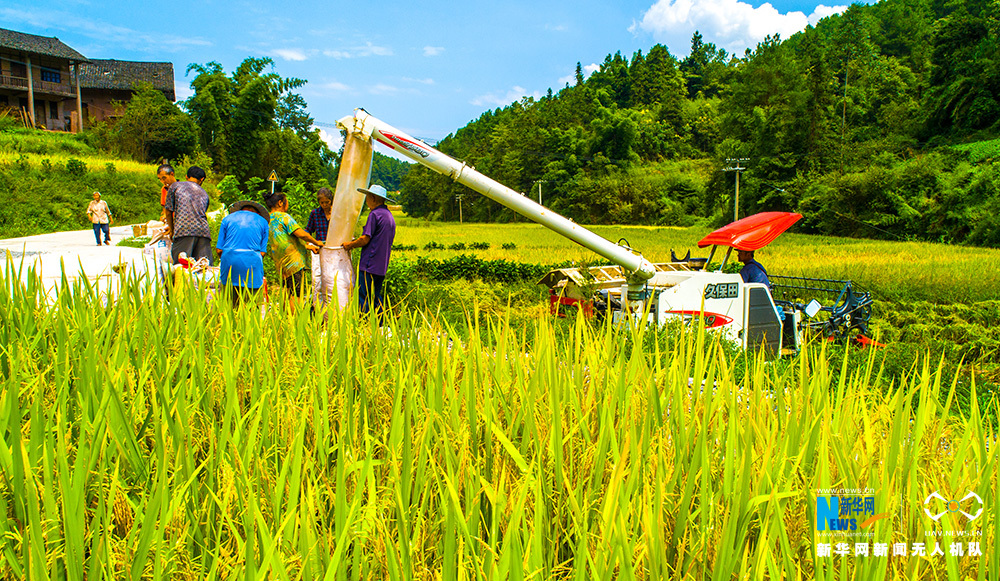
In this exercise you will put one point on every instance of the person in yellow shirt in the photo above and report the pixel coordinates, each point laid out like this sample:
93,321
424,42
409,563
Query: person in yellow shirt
284,241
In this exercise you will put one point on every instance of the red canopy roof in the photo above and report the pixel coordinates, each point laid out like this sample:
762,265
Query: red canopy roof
753,232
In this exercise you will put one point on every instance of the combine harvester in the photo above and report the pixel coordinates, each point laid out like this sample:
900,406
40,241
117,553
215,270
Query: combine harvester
633,287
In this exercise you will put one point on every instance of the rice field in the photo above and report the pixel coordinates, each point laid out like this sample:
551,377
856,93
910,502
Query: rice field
153,440
893,270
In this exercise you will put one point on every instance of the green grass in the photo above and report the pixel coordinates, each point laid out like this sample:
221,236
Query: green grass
981,150
30,141
134,241
147,440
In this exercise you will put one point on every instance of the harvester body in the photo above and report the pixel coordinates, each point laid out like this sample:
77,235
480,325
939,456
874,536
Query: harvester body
743,313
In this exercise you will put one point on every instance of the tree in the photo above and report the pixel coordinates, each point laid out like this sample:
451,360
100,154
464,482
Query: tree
704,68
389,171
150,128
251,123
965,77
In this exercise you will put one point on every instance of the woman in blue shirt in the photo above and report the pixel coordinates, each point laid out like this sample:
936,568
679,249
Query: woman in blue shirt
242,244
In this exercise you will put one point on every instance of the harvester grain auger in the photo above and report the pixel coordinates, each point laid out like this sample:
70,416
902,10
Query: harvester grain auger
632,287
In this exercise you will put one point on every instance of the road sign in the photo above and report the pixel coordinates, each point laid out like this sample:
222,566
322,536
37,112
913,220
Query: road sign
273,178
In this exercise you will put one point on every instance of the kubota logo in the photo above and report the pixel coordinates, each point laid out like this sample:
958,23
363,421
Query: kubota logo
952,505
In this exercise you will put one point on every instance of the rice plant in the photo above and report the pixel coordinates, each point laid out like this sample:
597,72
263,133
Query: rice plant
153,439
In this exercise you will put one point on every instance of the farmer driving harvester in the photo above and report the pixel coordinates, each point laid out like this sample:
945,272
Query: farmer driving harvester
752,270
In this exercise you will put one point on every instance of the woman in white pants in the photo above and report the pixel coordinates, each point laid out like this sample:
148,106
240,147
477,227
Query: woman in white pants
332,272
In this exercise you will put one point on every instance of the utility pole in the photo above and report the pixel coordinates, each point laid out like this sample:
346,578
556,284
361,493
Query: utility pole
459,198
540,182
736,168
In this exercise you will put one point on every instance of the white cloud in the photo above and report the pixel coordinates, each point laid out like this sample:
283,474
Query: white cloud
571,78
502,100
182,92
433,50
556,27
383,89
334,140
291,54
822,11
421,81
107,34
730,24
335,86
368,49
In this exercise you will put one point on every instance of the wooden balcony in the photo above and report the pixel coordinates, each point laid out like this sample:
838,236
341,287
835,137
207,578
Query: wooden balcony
40,87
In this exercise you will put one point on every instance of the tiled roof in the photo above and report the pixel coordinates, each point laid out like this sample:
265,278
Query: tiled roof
124,75
41,45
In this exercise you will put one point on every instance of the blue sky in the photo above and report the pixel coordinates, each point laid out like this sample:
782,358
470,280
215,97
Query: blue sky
426,67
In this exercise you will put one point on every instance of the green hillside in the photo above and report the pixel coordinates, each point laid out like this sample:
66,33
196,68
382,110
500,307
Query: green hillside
47,179
879,122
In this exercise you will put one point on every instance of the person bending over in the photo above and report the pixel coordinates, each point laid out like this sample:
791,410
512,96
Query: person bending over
241,247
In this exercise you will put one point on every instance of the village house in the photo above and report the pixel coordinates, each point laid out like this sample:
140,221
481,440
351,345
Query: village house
103,82
35,78
66,86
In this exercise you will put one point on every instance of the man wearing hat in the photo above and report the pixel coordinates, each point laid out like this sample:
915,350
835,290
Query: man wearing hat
242,244
376,244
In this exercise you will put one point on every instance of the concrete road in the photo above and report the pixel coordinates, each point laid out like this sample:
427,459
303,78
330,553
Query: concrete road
77,252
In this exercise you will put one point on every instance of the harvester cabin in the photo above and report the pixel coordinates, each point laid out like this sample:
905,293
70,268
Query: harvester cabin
36,80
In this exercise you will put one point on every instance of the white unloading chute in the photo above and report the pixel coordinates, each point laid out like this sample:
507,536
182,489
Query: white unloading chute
638,268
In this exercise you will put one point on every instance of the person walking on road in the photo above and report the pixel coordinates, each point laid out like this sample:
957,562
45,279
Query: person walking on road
241,247
376,244
100,215
187,217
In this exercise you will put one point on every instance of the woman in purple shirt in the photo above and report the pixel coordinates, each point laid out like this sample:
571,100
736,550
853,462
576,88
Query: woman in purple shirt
376,244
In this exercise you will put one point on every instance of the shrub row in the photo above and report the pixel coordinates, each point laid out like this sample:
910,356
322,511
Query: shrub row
456,246
404,274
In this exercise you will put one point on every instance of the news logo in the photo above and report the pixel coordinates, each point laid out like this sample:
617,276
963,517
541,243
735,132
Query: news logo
938,502
844,513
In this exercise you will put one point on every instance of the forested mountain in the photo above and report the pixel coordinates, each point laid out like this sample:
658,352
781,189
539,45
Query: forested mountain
853,122
388,171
